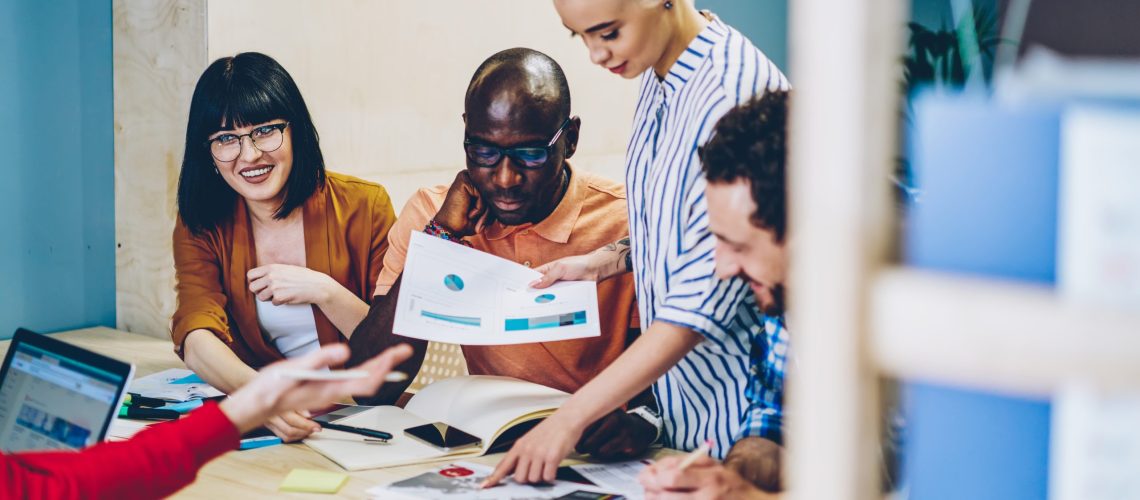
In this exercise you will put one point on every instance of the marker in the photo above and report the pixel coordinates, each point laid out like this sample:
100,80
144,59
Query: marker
258,442
134,399
147,413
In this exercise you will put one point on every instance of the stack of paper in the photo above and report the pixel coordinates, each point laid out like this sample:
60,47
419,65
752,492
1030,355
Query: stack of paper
462,480
122,429
176,384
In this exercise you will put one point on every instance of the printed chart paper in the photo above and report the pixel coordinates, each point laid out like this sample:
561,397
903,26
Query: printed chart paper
175,384
461,480
452,293
619,477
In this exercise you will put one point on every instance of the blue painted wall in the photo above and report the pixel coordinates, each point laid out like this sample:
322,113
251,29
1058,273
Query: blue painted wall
57,220
765,22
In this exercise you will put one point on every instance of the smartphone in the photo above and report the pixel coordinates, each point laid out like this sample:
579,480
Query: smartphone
442,436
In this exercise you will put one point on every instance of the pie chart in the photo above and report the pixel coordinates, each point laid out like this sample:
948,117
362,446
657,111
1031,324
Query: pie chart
544,298
453,282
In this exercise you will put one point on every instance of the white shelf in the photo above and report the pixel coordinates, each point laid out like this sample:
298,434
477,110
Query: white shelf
997,336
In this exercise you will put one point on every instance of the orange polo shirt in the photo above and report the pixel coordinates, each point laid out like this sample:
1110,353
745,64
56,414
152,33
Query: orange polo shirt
591,214
346,226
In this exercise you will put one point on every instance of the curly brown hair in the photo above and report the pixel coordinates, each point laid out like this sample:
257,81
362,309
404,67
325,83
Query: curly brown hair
750,143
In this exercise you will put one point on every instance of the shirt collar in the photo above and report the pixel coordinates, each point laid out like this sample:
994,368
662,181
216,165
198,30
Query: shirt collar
557,226
698,50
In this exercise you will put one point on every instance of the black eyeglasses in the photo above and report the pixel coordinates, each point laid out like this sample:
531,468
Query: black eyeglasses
267,138
485,155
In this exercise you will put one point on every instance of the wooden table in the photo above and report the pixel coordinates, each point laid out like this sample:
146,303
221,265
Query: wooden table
242,474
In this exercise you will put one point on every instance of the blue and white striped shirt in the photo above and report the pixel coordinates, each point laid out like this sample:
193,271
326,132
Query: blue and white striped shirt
703,397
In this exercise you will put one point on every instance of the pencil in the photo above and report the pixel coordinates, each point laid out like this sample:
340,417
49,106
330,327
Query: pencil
701,451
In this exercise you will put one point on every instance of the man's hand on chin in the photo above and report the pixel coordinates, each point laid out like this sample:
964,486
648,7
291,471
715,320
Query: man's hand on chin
464,212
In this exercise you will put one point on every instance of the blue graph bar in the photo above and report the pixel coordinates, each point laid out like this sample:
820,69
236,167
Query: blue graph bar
553,321
462,320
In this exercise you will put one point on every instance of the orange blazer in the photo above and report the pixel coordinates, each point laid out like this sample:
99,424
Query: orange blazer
346,236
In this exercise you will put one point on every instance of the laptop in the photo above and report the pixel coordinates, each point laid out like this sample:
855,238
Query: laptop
56,396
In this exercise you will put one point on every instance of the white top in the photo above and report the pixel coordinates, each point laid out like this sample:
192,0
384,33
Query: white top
702,397
292,328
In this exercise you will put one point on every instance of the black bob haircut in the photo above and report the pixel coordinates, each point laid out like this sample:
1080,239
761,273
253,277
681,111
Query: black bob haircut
750,143
246,89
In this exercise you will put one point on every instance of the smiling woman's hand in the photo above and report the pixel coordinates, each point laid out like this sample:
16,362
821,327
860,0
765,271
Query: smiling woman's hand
286,284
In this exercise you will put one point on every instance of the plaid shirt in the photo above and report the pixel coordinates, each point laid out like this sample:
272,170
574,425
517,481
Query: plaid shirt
765,391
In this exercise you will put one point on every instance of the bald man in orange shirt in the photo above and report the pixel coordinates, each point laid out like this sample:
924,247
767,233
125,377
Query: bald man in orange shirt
520,199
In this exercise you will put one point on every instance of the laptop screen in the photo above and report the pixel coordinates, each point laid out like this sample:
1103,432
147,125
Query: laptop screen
52,402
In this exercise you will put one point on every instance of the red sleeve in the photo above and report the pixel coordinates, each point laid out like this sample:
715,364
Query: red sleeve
155,463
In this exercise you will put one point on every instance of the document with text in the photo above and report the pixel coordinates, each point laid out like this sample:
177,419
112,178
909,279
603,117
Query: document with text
452,293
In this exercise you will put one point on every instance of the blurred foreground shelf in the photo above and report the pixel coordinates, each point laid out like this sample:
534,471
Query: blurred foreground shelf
998,336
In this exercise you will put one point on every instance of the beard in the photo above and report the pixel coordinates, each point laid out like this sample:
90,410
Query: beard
775,307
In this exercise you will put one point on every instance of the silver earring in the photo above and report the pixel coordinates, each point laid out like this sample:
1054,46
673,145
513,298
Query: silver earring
216,171
668,5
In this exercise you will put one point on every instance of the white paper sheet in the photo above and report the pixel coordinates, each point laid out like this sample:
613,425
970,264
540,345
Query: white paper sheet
452,293
461,480
123,429
1099,242
619,477
1095,445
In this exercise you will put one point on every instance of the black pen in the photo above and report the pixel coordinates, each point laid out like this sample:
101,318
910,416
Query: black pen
357,430
135,399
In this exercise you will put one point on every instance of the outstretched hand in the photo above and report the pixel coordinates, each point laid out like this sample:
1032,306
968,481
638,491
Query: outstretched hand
535,457
269,395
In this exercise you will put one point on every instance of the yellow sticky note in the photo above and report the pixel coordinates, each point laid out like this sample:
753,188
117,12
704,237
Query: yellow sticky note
313,481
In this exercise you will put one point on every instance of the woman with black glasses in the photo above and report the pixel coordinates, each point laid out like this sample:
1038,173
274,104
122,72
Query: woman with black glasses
274,256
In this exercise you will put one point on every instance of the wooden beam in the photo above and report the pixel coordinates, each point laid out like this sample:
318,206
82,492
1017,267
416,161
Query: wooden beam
844,118
998,336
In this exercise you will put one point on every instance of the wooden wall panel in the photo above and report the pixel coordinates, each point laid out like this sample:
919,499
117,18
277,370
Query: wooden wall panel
159,50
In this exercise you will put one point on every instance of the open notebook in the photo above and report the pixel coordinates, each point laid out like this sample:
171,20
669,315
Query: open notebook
483,405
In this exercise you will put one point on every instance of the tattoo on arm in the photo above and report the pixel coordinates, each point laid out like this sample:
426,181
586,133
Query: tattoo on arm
623,250
623,261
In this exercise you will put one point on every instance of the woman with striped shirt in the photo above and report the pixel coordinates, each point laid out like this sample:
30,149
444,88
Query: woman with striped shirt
699,332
